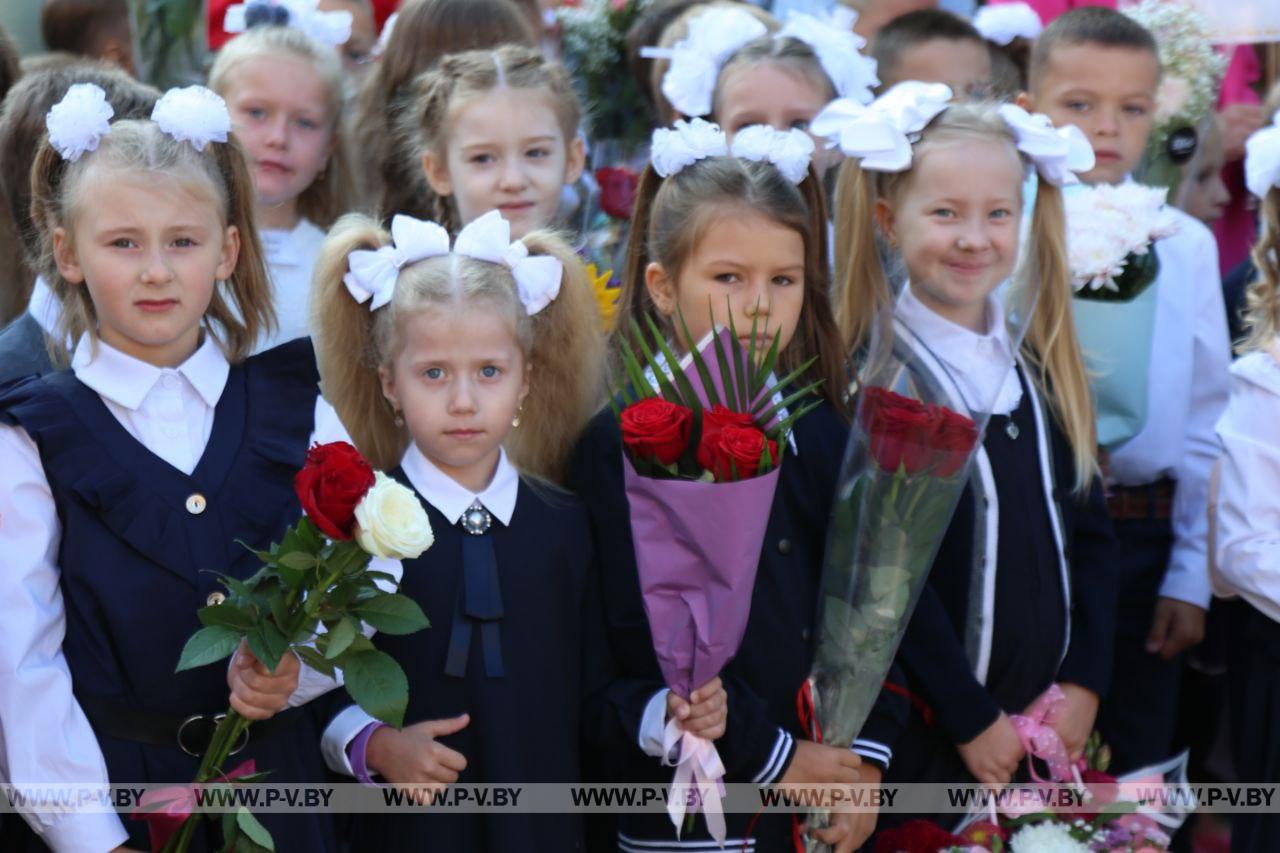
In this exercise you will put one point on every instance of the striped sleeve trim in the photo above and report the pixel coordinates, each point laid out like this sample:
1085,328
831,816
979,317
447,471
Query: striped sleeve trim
627,844
778,758
874,750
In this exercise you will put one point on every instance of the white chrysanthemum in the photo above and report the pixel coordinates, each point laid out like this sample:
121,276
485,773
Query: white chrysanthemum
1105,224
1045,838
194,114
79,121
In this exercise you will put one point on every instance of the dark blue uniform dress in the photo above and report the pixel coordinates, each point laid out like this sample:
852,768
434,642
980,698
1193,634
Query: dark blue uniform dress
140,543
1041,627
773,662
524,672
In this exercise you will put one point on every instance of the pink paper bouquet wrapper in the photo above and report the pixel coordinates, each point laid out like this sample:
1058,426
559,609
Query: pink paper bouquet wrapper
697,547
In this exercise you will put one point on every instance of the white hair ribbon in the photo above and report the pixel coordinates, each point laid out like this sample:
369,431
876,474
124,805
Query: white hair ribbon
193,114
1262,159
537,277
372,274
685,143
790,151
1004,22
1057,153
880,134
79,121
838,50
696,59
331,28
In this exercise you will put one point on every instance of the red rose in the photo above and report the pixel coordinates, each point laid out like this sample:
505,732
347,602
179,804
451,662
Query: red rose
916,836
734,452
330,485
617,191
899,429
714,420
656,429
954,437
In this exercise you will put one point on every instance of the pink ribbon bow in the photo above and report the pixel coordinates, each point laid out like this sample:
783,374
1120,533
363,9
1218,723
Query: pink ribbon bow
166,809
1039,740
697,762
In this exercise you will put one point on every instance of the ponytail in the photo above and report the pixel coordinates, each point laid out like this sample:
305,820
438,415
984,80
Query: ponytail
349,349
862,289
1262,299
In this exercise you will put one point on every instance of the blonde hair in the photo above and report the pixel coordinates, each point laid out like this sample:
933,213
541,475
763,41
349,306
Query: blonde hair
562,346
241,308
332,193
672,216
459,76
1262,299
1050,345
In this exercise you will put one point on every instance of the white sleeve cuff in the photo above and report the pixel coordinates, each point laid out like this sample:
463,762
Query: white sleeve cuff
874,750
1185,583
312,683
338,736
783,746
653,723
76,833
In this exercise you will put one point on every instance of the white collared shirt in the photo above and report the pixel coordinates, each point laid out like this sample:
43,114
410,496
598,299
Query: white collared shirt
1248,536
982,366
1187,390
451,499
44,306
291,261
44,736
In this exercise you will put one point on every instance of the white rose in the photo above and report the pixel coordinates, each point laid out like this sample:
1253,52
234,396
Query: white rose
390,521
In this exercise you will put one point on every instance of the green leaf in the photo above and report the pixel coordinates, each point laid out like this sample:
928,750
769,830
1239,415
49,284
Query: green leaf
297,560
268,644
728,378
743,369
393,614
378,685
690,398
227,615
242,589
315,660
340,637
699,365
347,558
668,390
208,645
229,832
251,827
280,613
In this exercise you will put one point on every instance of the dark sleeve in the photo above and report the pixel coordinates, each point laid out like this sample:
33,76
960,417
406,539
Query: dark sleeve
754,747
887,720
1093,555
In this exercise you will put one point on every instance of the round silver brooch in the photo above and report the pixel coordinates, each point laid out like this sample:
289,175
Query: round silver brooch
1012,430
476,520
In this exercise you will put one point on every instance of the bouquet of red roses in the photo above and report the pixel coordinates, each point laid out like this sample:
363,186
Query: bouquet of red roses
317,577
703,438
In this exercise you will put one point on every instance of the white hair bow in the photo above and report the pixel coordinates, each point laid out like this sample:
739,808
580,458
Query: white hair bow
1004,22
331,28
79,121
372,274
1262,160
193,114
879,134
788,150
838,50
696,59
1057,153
537,277
685,143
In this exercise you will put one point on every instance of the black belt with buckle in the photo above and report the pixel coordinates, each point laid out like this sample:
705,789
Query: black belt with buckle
190,733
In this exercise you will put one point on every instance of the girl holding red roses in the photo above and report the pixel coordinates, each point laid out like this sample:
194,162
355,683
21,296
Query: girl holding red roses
1022,593
723,238
467,372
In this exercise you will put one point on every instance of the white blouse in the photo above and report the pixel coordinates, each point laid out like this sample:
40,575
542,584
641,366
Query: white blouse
291,262
44,735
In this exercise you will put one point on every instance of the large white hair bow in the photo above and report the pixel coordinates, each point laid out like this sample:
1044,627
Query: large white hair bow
685,143
788,150
79,121
880,133
1057,153
1262,160
193,114
372,274
714,35
1004,22
838,50
331,28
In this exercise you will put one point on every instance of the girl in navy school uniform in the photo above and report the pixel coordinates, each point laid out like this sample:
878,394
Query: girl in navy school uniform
467,374
1022,592
727,238
130,477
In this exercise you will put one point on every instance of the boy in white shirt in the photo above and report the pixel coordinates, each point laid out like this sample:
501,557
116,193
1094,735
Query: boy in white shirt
1099,70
